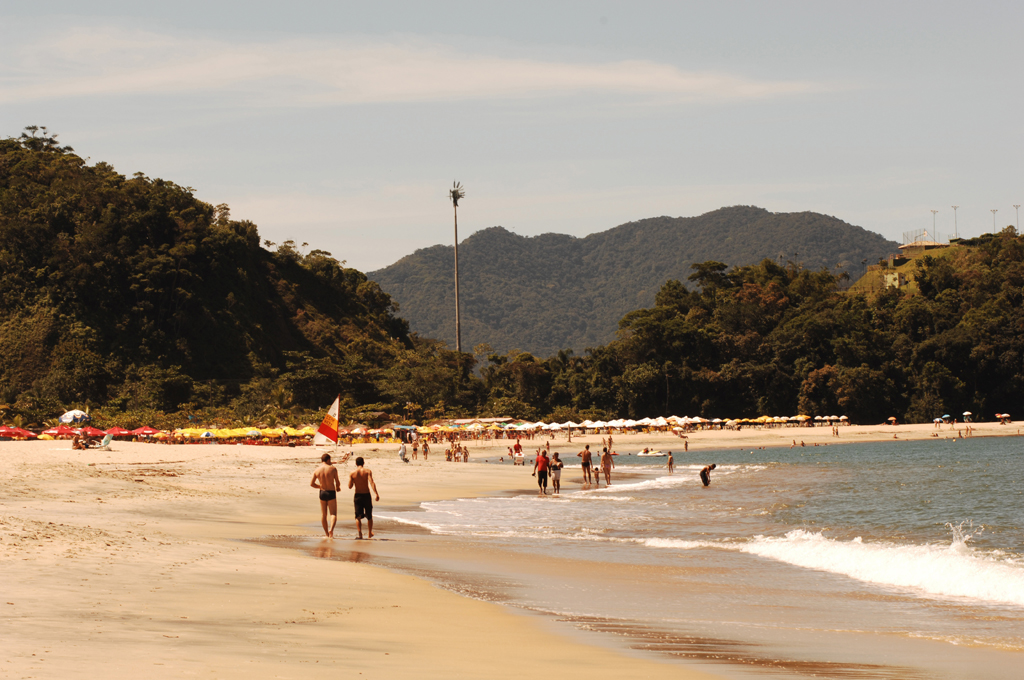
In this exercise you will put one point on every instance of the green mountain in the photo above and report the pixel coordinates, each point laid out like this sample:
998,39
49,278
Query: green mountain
553,291
129,293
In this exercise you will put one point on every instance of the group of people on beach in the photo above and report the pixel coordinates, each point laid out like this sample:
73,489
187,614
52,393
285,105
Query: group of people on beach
547,466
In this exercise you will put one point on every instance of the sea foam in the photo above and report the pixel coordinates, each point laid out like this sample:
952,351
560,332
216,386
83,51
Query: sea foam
951,571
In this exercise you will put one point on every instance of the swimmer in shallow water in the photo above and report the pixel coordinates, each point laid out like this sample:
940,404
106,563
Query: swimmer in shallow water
705,474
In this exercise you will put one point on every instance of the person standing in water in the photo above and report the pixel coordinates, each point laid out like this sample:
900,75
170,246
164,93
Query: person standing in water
556,473
362,481
540,470
606,465
671,463
325,478
585,455
705,474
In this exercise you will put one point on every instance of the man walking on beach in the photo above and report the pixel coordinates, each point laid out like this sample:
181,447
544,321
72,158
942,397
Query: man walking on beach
325,478
362,481
540,470
585,455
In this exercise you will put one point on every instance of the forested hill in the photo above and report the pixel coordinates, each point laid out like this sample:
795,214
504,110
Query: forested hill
128,292
554,291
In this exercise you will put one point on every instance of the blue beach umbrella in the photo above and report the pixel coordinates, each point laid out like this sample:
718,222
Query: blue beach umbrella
74,416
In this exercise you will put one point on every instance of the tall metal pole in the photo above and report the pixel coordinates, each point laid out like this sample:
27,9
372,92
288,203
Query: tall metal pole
994,211
956,232
455,194
458,322
1016,206
934,233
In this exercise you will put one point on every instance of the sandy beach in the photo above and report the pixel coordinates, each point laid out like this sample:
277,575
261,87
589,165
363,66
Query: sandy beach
149,558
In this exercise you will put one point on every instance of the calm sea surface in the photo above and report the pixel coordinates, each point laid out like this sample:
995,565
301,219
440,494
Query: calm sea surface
847,554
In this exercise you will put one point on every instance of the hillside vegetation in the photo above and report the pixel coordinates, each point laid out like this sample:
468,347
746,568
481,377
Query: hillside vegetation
766,339
130,293
554,291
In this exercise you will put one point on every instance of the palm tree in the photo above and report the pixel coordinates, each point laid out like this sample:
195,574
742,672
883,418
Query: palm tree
455,194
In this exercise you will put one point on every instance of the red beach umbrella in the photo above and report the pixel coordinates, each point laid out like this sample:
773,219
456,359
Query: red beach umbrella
91,431
119,431
19,432
60,431
146,430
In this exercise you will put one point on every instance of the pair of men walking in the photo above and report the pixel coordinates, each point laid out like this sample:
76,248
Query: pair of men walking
326,479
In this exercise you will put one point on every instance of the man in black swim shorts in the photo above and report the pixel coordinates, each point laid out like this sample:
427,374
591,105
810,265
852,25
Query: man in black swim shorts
362,481
326,479
586,456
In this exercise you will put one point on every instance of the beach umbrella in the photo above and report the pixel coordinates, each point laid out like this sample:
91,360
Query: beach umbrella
17,432
74,416
206,435
60,431
91,431
843,418
891,418
118,431
968,413
146,431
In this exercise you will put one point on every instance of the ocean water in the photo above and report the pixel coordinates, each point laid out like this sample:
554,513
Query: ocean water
791,558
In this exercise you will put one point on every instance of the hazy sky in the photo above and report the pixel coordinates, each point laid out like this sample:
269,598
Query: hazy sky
343,124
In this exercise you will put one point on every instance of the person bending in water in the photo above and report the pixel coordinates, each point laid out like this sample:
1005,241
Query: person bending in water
325,478
705,474
362,481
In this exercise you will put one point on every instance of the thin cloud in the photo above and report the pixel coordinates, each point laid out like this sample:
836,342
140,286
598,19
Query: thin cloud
106,62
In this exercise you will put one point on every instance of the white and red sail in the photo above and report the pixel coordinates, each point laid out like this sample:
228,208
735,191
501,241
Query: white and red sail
328,430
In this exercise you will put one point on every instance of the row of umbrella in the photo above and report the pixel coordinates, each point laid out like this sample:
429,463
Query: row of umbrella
622,423
66,431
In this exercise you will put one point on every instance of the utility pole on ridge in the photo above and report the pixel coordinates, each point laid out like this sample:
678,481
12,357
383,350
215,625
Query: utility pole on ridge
455,194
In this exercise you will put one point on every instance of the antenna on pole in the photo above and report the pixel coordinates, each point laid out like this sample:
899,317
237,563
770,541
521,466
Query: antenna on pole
956,233
994,211
1016,206
934,233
